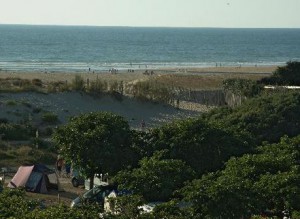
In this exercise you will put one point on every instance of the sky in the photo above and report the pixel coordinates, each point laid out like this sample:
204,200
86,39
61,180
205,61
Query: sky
154,13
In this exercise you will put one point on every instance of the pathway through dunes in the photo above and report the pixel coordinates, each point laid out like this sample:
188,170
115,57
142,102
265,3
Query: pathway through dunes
30,105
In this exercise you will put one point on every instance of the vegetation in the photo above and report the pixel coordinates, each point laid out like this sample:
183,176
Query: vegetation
286,75
202,146
95,143
78,83
50,118
153,91
250,184
240,162
15,204
264,118
10,131
243,87
156,178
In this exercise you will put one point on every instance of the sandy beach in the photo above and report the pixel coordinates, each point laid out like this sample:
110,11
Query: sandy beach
137,75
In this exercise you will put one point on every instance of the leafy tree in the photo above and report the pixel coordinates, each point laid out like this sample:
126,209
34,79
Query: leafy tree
172,210
61,211
286,75
202,146
251,184
156,178
95,143
264,118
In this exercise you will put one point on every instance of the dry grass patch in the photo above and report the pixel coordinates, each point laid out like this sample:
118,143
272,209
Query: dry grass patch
203,81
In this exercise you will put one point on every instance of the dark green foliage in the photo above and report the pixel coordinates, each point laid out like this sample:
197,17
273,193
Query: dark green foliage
286,75
156,178
78,83
36,110
11,131
243,87
265,118
4,120
37,82
50,118
202,146
172,210
11,103
251,184
95,142
14,205
98,87
141,143
65,212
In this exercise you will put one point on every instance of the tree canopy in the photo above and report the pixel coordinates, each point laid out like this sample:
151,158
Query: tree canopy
95,142
251,184
156,178
265,118
203,146
285,75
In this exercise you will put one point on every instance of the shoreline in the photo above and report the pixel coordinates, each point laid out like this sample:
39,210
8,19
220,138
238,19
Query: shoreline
124,75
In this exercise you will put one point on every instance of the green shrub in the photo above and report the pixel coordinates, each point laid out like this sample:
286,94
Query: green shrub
37,110
153,91
78,83
4,120
285,75
11,103
6,156
26,104
13,204
244,87
50,118
58,86
37,82
14,131
98,87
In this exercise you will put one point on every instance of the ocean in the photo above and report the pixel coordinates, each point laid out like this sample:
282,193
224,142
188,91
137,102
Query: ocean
77,48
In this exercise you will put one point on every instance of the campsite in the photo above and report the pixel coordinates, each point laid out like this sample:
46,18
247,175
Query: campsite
225,154
41,182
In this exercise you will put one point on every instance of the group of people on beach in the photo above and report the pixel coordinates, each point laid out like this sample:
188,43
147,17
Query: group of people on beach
62,166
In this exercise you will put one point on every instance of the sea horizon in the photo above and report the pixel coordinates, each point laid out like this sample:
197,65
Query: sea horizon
61,48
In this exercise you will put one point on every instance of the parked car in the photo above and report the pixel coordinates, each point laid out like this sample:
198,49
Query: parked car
77,179
96,194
